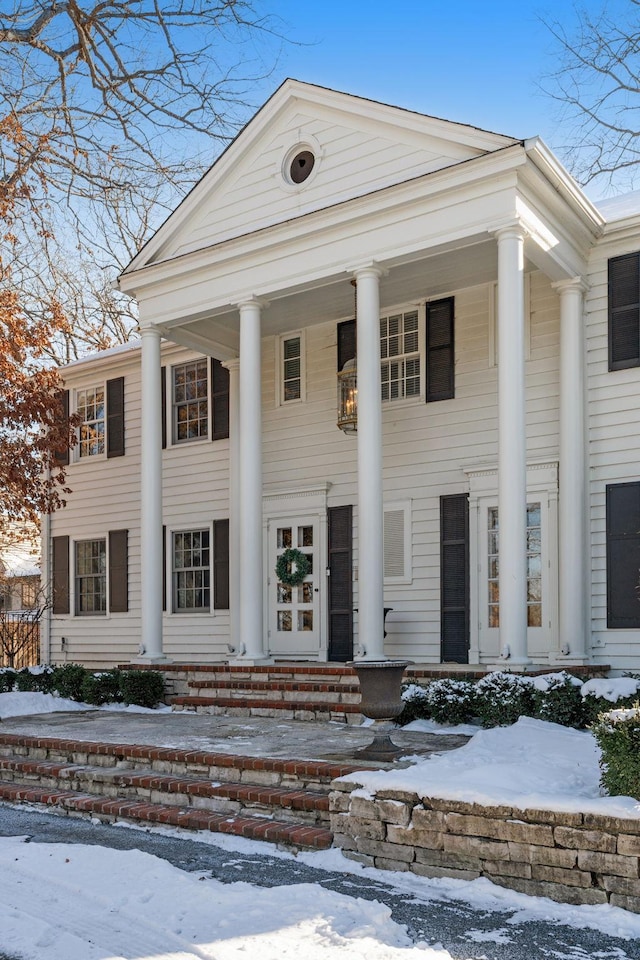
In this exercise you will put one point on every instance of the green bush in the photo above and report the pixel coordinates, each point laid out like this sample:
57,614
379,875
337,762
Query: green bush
99,688
557,698
68,681
416,705
502,698
7,681
618,736
145,688
452,701
25,681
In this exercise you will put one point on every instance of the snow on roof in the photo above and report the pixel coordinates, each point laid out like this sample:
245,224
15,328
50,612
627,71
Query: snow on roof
20,558
620,207
104,354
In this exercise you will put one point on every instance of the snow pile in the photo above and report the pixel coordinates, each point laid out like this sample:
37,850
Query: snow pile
28,704
89,903
532,764
611,688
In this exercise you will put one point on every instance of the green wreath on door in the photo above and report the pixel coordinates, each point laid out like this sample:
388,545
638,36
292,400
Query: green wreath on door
292,567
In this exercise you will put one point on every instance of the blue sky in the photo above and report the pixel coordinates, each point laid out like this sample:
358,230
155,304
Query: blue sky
475,62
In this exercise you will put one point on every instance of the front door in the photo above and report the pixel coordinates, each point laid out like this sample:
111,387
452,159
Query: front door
294,610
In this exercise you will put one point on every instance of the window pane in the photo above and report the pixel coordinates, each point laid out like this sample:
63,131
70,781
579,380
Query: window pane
90,577
305,619
285,540
190,401
305,536
284,620
191,574
400,377
284,593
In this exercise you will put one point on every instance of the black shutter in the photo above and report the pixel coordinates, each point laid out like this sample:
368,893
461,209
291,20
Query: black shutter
164,568
623,555
163,404
454,578
115,417
440,350
624,311
60,578
220,564
62,456
347,342
219,400
118,578
340,583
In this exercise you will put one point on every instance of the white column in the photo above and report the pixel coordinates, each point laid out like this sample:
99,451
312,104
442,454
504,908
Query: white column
512,450
233,366
370,502
250,484
572,518
151,497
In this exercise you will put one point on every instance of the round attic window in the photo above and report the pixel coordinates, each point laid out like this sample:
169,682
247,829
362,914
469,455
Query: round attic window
301,166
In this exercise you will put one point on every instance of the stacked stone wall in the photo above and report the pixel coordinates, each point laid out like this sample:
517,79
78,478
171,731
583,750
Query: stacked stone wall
570,857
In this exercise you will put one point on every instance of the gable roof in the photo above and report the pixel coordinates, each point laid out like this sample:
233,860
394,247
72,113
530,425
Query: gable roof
244,190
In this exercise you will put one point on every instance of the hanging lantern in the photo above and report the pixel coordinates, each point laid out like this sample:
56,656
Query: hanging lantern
348,397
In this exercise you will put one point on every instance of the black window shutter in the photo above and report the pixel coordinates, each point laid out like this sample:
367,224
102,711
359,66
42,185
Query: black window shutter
624,311
164,568
440,350
340,583
115,417
219,400
220,564
163,402
454,578
623,555
60,561
118,575
347,342
62,456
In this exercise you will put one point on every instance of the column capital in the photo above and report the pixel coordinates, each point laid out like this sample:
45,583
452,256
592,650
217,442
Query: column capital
232,364
510,229
371,268
572,284
252,301
147,328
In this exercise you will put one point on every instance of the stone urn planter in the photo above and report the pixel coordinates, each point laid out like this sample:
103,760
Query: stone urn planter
380,687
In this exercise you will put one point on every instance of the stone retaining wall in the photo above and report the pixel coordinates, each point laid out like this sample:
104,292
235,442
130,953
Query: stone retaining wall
569,857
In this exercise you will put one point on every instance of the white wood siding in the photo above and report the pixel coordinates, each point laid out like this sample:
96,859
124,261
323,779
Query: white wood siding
614,451
426,447
351,162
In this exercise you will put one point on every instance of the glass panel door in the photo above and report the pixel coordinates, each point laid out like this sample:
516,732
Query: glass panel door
294,607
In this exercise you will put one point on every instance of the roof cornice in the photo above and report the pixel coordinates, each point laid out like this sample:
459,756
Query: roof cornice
549,165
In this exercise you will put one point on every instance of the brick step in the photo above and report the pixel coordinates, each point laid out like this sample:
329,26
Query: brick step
236,798
282,689
222,767
298,836
264,707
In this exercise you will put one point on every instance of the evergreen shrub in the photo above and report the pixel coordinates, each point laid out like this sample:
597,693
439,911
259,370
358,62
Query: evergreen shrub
503,697
452,701
618,735
557,698
7,681
99,688
145,688
68,681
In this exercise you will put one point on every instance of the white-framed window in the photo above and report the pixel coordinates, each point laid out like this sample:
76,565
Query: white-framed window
191,570
534,565
91,407
542,559
291,368
400,359
190,401
397,542
493,320
90,572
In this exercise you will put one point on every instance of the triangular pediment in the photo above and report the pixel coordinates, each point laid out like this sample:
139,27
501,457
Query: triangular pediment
358,147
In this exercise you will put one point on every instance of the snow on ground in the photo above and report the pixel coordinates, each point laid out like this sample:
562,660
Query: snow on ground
67,902
531,764
28,704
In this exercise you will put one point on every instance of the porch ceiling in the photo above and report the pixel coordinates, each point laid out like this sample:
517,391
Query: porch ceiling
404,282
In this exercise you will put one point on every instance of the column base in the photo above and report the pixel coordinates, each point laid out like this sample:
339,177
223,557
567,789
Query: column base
558,660
250,661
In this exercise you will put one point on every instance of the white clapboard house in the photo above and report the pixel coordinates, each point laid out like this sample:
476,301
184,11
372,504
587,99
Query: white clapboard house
408,348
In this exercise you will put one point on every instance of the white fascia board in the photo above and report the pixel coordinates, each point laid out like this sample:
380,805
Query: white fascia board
626,228
555,173
398,118
385,200
114,356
